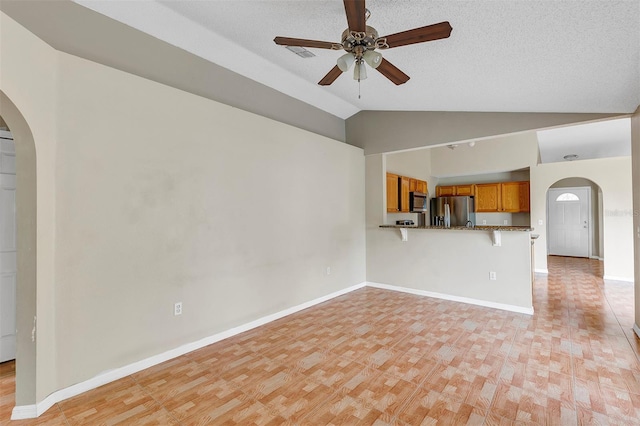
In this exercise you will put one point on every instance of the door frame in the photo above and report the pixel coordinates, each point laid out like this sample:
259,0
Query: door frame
589,207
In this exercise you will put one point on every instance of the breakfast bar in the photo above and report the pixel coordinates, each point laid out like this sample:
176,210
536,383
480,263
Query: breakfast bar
482,265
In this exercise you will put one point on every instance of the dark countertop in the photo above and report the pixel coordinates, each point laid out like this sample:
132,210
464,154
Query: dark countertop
464,228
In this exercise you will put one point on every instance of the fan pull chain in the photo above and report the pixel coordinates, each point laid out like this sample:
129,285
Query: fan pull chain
358,88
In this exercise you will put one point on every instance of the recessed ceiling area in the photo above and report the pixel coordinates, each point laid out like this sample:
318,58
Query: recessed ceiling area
502,56
602,139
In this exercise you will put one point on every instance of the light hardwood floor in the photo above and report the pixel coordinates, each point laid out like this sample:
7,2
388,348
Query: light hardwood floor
381,357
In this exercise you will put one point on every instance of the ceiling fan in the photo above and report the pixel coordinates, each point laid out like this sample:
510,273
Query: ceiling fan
360,41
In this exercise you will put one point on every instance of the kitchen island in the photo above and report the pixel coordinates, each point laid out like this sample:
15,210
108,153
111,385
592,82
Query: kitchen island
487,265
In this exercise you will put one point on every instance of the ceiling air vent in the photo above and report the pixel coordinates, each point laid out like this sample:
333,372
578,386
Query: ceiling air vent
300,51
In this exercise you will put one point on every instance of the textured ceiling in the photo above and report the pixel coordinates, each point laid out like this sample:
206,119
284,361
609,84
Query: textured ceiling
511,56
610,138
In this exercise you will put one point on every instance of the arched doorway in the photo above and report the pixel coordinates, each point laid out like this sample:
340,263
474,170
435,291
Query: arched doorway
26,251
575,218
7,246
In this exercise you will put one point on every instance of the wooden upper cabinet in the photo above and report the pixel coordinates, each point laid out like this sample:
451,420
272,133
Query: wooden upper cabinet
468,190
399,189
393,200
510,197
445,191
405,188
488,197
515,197
450,190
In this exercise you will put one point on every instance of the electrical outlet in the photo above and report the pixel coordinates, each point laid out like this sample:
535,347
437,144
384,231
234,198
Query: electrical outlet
328,270
484,221
177,308
539,221
506,222
492,276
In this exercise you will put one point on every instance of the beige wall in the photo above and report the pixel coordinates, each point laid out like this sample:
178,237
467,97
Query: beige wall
613,175
454,263
28,77
385,131
635,152
148,195
27,248
502,154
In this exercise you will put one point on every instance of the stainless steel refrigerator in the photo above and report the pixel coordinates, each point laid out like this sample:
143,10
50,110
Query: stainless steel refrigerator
461,211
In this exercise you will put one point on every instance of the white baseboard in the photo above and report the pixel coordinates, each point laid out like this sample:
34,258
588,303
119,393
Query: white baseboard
596,258
31,411
468,300
637,330
541,271
21,412
612,278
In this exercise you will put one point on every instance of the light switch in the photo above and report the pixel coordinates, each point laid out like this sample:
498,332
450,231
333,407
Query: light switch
539,221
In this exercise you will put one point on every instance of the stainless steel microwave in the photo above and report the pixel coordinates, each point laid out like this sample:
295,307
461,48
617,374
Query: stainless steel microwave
417,202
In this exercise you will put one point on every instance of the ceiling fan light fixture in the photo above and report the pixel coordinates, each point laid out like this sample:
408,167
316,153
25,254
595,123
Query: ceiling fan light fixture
360,71
372,58
345,61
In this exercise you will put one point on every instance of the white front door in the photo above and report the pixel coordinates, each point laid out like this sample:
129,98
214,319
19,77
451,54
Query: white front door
7,251
569,221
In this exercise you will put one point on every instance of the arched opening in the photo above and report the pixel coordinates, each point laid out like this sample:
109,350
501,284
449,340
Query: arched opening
25,156
575,219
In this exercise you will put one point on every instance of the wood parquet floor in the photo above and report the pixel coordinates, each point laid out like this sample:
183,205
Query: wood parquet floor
377,357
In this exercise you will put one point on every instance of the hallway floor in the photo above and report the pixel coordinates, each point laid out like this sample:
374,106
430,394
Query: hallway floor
387,358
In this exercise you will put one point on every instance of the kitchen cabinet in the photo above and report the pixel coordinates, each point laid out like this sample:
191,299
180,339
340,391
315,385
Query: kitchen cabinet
421,186
508,197
393,200
515,197
468,190
405,188
398,189
445,191
488,197
450,190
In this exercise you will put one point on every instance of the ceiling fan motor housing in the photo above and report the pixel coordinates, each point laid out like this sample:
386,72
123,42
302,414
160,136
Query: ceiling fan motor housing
359,42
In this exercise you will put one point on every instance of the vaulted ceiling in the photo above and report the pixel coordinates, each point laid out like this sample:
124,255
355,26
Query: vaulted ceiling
503,55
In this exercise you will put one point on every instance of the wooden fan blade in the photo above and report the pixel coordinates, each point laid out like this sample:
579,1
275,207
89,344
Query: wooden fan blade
355,15
420,35
392,72
288,41
330,77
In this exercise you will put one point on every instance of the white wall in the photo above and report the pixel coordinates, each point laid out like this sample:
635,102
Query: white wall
159,196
